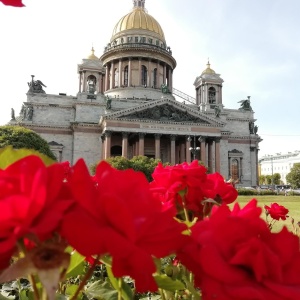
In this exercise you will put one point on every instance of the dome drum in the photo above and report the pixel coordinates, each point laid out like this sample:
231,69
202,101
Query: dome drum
124,52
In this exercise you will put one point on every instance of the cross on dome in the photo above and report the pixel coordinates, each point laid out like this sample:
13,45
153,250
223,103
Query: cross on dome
139,4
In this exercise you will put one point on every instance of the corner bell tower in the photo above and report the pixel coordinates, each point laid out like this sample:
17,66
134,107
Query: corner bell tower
91,75
209,89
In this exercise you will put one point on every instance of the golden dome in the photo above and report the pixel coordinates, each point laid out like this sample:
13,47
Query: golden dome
92,55
138,19
208,70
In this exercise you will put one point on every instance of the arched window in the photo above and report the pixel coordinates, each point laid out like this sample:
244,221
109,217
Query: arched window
155,78
212,95
116,151
126,76
144,75
235,169
91,84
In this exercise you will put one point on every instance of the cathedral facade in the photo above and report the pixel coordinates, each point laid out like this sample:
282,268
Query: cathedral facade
126,105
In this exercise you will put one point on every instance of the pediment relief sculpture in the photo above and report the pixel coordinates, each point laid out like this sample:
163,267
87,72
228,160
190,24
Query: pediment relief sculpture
163,113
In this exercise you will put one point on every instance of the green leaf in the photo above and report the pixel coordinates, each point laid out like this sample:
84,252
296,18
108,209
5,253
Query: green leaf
166,283
126,291
23,295
4,298
76,266
61,297
190,287
101,291
8,156
71,290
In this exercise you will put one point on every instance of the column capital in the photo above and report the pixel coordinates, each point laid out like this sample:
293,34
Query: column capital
142,134
157,135
173,137
84,71
202,139
218,139
108,133
125,134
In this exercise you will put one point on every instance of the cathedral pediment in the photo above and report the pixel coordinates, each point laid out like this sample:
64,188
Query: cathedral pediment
164,111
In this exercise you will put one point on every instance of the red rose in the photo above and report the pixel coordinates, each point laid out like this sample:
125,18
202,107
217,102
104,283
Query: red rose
216,188
32,201
17,3
234,256
277,211
183,180
122,219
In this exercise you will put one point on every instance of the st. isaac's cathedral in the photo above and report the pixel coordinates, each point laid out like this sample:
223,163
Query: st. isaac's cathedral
126,106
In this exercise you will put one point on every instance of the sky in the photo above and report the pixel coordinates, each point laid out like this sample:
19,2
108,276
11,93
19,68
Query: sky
253,44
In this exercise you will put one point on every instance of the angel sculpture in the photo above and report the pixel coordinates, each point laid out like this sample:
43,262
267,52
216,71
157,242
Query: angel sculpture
36,86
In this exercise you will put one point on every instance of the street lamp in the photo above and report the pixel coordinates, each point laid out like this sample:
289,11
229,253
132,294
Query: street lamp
194,150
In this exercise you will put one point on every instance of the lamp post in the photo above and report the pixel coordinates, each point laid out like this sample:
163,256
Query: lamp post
194,150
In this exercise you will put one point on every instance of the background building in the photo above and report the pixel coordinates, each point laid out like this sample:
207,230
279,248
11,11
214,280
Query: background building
278,163
126,105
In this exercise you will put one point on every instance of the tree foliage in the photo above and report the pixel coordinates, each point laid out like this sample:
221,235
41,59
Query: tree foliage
276,178
19,137
262,179
138,163
293,178
267,179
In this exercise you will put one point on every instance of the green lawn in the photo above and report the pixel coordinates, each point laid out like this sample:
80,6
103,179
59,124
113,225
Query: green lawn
292,203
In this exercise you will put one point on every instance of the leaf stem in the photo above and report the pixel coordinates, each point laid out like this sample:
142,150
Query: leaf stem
34,287
85,278
120,288
182,194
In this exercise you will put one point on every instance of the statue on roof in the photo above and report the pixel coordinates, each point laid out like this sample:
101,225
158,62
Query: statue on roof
35,86
165,89
245,104
108,102
12,114
217,111
251,127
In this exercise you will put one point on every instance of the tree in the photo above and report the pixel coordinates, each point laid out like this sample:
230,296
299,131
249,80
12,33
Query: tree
144,164
293,178
138,163
276,178
269,179
19,137
262,179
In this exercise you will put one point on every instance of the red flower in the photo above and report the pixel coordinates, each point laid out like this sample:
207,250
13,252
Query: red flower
173,183
118,216
17,3
277,211
234,256
32,202
216,188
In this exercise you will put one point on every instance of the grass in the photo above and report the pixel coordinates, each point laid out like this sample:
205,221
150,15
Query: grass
292,203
